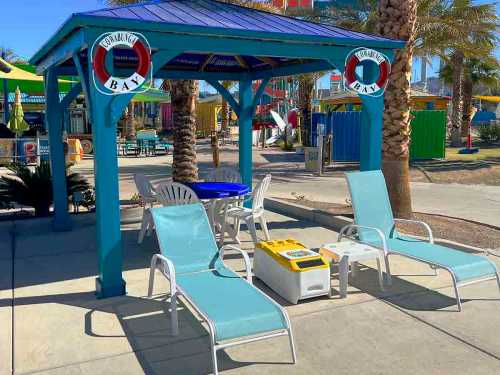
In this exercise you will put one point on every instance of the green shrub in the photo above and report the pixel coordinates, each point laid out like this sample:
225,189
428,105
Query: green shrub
33,188
489,133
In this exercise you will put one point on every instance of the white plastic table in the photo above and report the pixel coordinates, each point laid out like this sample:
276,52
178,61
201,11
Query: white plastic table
350,251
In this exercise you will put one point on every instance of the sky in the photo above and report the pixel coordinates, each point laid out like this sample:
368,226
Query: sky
25,25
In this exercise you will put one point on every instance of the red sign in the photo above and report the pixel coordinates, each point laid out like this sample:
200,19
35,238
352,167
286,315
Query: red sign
293,3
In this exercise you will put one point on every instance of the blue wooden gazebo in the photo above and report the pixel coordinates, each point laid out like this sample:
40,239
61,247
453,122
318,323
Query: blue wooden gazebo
195,39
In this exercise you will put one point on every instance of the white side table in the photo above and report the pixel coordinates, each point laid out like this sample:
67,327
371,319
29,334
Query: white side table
350,251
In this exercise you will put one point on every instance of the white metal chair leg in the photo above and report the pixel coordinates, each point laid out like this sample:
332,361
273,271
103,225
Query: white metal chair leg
251,227
237,228
144,225
292,346
457,295
263,224
388,270
174,320
214,360
155,262
380,275
152,270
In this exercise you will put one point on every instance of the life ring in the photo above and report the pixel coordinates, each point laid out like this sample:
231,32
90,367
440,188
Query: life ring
106,44
87,146
352,62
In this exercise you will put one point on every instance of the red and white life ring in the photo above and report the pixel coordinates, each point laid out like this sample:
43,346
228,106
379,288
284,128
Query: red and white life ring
106,44
351,80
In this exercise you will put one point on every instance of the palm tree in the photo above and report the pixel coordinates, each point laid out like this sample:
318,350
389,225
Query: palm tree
432,27
34,187
184,96
10,56
483,71
398,20
460,29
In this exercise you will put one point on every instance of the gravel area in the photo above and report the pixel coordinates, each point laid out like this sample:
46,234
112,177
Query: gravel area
449,228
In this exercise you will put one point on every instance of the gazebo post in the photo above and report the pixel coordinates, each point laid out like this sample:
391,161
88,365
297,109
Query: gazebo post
106,111
54,125
245,131
371,132
372,119
109,246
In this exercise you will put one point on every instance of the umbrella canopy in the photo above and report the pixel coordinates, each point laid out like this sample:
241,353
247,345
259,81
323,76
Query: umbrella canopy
23,76
16,122
494,99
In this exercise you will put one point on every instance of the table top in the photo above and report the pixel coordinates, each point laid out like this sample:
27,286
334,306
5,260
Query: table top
353,249
214,190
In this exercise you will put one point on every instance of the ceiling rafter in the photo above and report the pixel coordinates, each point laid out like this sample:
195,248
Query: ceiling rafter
267,60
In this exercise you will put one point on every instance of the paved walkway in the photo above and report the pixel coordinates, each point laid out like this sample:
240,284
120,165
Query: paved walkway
51,323
474,202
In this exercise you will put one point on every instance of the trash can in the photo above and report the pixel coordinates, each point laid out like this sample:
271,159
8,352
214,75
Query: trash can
311,157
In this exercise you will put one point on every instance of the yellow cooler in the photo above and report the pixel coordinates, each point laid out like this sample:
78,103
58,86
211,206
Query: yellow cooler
291,270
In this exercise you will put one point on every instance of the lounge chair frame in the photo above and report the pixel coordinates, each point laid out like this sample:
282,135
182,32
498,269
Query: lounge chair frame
167,269
347,231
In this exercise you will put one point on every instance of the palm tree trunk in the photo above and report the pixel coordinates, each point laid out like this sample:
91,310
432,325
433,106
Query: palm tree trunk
306,87
457,62
224,115
130,122
184,96
397,20
467,105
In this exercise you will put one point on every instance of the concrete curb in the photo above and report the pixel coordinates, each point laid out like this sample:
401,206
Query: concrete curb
336,223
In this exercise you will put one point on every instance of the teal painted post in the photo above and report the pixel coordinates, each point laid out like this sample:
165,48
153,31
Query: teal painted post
54,125
245,131
371,125
110,282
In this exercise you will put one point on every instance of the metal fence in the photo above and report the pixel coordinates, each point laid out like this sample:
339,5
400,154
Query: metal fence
428,134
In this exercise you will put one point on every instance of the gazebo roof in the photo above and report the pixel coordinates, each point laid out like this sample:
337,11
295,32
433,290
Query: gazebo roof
209,18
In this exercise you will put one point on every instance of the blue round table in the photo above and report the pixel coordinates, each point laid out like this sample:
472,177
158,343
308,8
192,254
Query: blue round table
216,190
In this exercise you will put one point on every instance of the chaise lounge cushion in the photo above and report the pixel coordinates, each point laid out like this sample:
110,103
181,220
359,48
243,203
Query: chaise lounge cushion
235,307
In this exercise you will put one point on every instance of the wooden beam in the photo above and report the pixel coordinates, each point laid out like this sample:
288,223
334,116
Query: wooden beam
207,61
267,60
242,62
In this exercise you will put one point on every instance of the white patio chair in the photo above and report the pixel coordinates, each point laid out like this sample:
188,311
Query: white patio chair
175,194
148,197
224,174
250,215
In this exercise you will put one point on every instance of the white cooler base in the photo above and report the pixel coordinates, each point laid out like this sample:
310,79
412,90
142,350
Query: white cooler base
292,286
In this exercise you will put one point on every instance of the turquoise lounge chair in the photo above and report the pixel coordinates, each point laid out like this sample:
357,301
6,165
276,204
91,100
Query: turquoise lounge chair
236,311
375,225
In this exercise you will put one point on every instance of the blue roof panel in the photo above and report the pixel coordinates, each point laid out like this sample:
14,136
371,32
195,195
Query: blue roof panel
213,14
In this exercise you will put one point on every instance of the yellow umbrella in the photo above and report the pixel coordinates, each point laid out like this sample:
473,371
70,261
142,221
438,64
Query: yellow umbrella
16,121
494,99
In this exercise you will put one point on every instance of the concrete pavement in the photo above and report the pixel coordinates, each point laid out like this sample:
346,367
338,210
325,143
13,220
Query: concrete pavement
60,328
